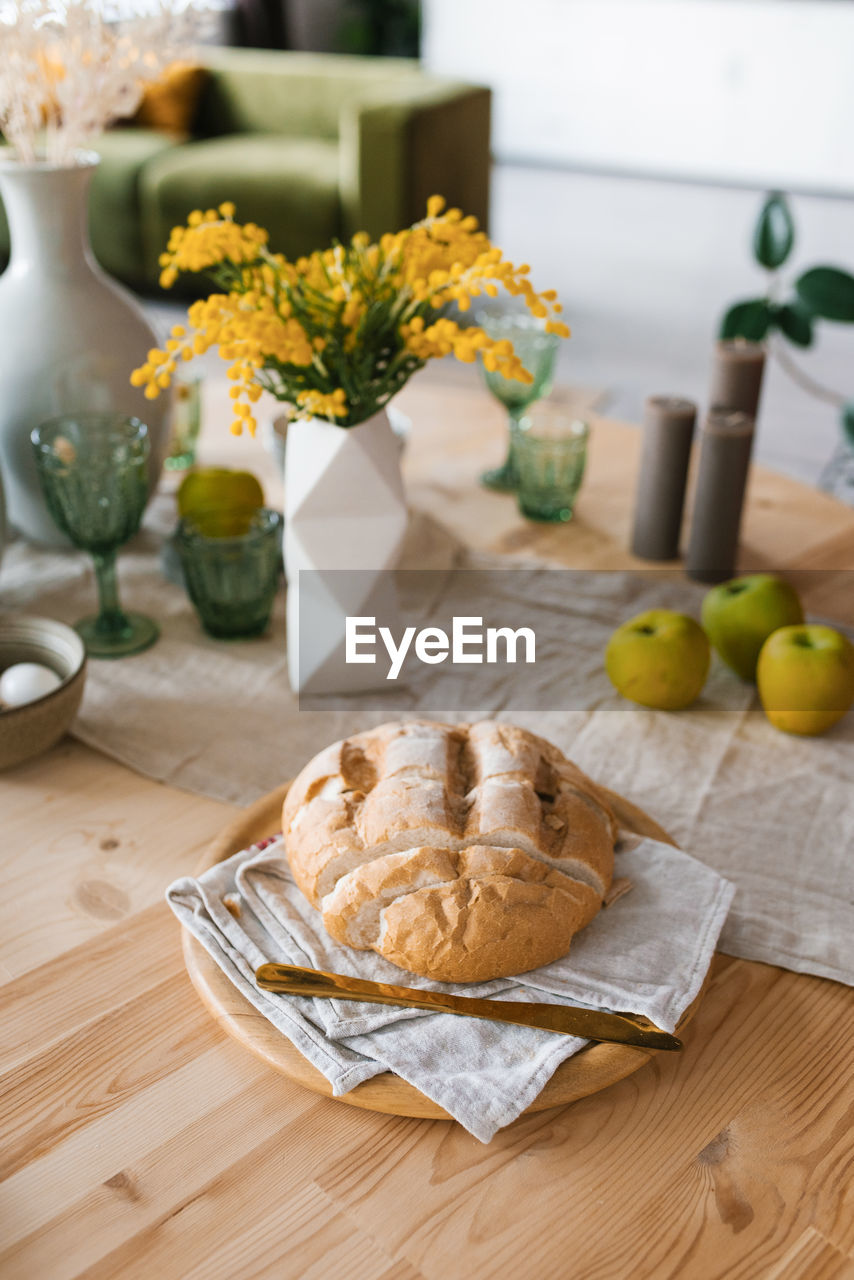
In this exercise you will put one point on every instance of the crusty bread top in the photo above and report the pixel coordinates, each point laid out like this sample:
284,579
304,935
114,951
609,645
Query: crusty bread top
419,783
483,791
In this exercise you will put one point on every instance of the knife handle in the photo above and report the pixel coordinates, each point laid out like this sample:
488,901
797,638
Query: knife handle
291,979
589,1024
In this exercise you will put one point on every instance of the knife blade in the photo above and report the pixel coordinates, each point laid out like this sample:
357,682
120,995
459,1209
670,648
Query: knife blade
589,1024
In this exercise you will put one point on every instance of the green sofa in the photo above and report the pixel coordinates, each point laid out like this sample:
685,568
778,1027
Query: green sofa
310,146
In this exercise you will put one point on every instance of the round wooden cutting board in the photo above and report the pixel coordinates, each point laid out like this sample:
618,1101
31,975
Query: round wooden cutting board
594,1068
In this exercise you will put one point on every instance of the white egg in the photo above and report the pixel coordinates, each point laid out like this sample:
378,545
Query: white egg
26,681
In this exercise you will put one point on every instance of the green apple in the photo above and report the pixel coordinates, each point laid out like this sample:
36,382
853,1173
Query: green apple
806,678
740,615
659,659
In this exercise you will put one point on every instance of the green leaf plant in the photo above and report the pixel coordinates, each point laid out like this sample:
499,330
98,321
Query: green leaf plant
788,314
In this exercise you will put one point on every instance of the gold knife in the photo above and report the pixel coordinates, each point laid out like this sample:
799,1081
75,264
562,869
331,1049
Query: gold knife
590,1024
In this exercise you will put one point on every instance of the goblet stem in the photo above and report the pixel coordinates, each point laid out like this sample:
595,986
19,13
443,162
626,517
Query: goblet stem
111,620
505,479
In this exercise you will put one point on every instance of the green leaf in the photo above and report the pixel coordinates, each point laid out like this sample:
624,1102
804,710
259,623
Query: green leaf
848,422
828,292
796,323
774,235
748,320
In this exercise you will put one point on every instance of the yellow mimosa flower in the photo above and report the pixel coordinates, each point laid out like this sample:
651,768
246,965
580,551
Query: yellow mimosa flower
337,333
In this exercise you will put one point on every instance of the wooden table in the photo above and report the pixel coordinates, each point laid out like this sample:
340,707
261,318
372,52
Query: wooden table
138,1141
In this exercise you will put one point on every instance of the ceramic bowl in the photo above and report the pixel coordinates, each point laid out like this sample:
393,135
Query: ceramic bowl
28,730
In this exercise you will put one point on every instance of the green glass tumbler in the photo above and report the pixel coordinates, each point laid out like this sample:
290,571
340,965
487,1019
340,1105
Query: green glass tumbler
537,350
186,424
93,469
232,571
551,455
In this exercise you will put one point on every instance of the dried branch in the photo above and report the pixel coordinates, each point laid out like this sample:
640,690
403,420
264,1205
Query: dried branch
68,68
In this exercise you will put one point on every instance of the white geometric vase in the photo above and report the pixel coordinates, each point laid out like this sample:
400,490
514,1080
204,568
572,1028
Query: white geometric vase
345,521
71,335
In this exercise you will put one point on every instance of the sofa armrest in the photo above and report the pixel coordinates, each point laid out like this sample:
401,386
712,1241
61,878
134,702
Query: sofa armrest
419,139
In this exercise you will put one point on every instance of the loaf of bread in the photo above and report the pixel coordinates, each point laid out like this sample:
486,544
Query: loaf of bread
458,852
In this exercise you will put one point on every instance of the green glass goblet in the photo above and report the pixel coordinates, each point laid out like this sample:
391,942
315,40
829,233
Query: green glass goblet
93,471
186,423
536,349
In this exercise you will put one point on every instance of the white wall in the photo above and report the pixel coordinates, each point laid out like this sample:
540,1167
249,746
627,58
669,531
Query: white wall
754,91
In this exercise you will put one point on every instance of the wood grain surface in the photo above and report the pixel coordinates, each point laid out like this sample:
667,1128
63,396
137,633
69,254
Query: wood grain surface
137,1139
595,1068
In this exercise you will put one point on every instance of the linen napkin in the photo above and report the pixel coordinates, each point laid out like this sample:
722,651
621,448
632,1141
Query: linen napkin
648,952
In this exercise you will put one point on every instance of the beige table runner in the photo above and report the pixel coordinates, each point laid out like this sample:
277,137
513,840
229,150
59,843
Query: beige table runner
772,813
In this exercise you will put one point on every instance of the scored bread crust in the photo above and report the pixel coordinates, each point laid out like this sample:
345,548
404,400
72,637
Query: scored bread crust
459,852
460,917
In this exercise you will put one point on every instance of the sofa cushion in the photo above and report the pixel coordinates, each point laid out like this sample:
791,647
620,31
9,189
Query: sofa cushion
114,219
288,185
171,102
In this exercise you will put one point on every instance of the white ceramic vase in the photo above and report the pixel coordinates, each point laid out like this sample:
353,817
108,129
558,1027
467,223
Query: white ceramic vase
70,336
3,530
345,521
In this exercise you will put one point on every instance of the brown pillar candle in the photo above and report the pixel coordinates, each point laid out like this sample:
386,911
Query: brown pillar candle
668,428
737,376
727,440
